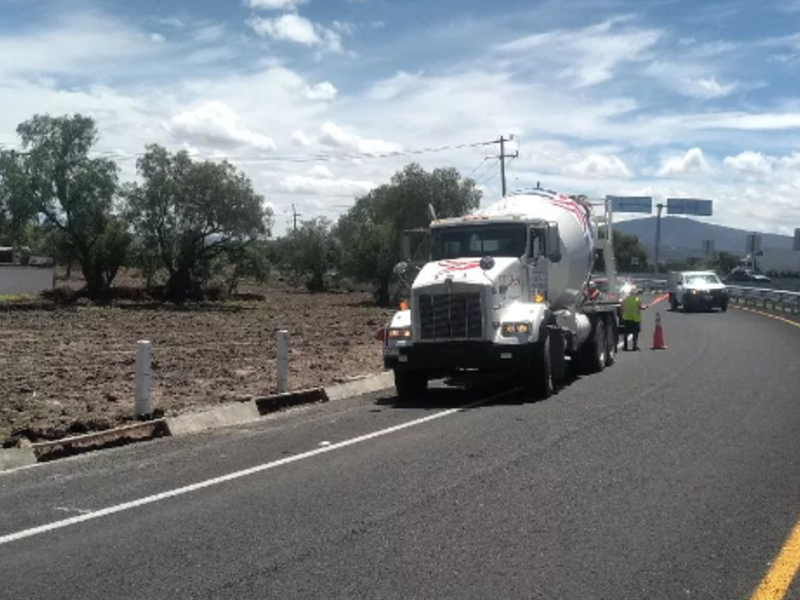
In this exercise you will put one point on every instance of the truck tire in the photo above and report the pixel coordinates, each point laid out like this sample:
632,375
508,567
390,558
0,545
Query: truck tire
410,384
593,353
611,341
537,378
724,306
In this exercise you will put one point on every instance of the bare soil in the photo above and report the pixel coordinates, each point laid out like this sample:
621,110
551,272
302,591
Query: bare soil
66,371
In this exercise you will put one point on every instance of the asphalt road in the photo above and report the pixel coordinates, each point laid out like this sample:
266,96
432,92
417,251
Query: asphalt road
674,474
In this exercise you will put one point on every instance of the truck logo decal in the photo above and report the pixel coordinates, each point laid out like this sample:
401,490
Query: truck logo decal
450,266
573,207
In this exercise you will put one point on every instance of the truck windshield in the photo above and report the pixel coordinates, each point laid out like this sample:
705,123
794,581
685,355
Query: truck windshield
701,279
475,241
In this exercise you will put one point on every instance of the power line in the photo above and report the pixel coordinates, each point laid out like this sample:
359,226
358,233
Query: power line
487,171
491,172
480,164
320,157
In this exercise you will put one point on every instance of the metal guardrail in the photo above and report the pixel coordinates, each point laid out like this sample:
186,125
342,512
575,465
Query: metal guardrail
779,300
651,285
776,300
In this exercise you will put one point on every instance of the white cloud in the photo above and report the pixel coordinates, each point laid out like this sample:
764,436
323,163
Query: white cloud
80,44
707,88
321,171
275,4
325,91
301,139
401,82
336,137
586,56
157,38
749,164
216,124
322,182
299,30
691,163
601,166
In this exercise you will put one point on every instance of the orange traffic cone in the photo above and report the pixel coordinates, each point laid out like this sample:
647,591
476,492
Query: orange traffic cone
658,335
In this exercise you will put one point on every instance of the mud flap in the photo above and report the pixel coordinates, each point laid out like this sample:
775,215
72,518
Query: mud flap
558,349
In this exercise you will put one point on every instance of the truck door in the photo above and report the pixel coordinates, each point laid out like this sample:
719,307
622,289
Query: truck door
537,267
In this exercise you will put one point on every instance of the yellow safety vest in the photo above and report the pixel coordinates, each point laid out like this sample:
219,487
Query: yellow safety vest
631,310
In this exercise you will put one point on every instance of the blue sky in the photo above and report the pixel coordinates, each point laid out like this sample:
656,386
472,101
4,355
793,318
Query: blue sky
667,98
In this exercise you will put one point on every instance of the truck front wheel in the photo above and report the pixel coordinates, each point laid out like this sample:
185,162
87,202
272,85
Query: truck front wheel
410,384
537,377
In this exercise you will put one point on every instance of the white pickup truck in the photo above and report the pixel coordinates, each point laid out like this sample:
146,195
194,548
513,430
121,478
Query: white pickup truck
697,290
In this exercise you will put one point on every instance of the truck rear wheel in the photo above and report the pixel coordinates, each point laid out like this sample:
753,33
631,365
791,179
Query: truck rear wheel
611,341
410,384
537,378
593,353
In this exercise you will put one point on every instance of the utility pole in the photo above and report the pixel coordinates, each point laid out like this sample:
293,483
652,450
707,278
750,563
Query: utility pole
660,207
503,156
295,214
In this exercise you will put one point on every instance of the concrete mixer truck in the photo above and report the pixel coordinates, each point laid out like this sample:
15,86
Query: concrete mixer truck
506,293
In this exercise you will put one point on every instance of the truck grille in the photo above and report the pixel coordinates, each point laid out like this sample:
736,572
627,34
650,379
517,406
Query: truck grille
450,316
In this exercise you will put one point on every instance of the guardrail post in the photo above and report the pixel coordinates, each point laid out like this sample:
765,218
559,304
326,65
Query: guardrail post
283,361
143,376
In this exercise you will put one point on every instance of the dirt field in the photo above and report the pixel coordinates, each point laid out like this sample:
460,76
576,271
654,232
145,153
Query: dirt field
68,371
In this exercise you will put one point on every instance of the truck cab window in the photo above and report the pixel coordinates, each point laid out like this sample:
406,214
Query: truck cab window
477,241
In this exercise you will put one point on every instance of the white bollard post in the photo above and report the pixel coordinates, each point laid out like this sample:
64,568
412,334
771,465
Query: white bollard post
283,361
143,379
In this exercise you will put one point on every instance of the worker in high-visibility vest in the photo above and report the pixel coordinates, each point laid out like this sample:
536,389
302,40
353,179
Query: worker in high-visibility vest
632,308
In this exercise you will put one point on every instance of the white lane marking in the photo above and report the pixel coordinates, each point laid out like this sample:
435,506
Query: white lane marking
81,511
125,506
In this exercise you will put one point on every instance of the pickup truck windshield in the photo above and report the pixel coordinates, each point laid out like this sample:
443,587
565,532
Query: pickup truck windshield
475,241
701,279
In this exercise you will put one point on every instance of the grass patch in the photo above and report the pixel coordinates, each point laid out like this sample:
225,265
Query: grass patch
9,298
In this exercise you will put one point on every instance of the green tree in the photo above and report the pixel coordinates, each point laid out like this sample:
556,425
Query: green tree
189,214
310,253
371,231
75,194
724,262
629,253
17,209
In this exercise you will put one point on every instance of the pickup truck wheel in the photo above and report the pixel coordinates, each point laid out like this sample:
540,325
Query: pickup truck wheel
593,354
673,302
537,378
410,384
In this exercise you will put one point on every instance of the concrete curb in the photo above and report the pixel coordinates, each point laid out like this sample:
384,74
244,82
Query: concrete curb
14,458
190,423
224,416
118,436
358,387
271,404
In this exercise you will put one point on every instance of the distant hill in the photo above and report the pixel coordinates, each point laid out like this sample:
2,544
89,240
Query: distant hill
680,236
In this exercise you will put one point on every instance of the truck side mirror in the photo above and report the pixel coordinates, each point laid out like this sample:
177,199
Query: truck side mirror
405,250
553,243
536,244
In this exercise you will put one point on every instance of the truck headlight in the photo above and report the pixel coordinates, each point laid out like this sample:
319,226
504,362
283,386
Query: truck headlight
511,329
399,333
